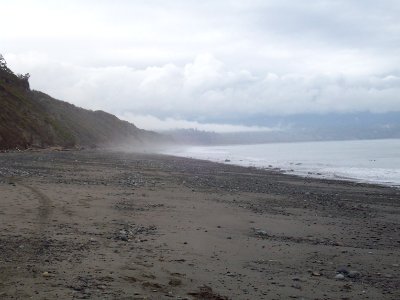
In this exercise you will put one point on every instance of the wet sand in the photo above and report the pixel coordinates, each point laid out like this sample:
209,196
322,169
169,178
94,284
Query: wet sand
97,225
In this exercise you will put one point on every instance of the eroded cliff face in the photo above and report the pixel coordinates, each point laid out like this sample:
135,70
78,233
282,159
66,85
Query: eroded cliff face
33,119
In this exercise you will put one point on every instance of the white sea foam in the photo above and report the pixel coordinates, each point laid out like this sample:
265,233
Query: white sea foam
373,161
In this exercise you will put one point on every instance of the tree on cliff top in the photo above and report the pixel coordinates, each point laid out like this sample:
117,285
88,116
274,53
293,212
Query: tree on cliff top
3,63
24,78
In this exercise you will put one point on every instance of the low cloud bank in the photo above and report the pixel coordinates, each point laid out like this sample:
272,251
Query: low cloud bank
156,124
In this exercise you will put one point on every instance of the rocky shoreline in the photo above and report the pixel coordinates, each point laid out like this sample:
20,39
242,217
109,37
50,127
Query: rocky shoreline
109,225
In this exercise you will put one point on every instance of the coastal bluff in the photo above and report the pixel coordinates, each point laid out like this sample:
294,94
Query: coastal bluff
32,119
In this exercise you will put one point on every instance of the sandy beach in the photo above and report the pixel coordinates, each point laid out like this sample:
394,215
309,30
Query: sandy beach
108,225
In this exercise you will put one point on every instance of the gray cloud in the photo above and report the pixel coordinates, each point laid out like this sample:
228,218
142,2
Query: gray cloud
201,61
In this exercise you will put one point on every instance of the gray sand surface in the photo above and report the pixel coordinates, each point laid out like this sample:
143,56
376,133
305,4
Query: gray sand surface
98,225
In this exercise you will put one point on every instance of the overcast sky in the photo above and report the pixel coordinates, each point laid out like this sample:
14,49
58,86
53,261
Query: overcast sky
208,64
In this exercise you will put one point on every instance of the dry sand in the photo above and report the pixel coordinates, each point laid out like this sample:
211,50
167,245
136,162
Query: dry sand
93,225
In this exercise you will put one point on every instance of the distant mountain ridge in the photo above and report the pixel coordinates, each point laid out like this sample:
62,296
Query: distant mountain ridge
301,128
31,118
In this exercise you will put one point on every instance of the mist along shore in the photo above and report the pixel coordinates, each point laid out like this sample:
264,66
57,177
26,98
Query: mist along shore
102,225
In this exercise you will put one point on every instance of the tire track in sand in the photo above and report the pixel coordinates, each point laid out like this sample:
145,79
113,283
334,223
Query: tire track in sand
39,240
45,207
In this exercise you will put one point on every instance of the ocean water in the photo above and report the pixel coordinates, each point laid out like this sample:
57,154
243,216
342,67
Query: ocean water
372,161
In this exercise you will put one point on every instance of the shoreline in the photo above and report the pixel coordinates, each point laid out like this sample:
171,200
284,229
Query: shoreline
274,170
366,161
113,225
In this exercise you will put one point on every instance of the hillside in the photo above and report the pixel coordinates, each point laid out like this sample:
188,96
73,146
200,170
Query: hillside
33,119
